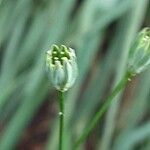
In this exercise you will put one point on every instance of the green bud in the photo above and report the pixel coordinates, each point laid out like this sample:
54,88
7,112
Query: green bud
139,54
62,67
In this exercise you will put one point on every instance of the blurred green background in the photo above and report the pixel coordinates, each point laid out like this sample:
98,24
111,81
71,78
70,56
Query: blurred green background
101,32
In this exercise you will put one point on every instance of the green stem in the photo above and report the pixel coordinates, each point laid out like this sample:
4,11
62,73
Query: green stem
103,109
61,119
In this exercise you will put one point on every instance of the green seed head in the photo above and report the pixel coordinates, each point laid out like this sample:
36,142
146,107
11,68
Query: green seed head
139,54
62,66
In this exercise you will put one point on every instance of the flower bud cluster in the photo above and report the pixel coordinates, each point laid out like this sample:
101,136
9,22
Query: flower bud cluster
62,66
139,54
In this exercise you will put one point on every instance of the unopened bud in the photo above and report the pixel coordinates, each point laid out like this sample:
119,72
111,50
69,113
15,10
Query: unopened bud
139,54
62,67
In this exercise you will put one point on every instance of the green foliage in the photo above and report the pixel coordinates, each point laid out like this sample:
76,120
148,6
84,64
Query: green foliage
101,32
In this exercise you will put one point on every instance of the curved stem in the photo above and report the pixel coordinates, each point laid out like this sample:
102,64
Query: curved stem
103,109
61,119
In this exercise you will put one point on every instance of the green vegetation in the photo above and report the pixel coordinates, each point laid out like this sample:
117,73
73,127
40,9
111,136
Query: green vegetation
101,32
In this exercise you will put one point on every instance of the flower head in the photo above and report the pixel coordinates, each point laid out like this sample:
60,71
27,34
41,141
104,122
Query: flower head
62,66
139,54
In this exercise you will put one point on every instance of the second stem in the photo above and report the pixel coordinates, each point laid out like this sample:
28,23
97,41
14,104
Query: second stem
103,109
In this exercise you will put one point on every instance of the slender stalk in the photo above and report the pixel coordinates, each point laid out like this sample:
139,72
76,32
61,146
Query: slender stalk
61,119
103,109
